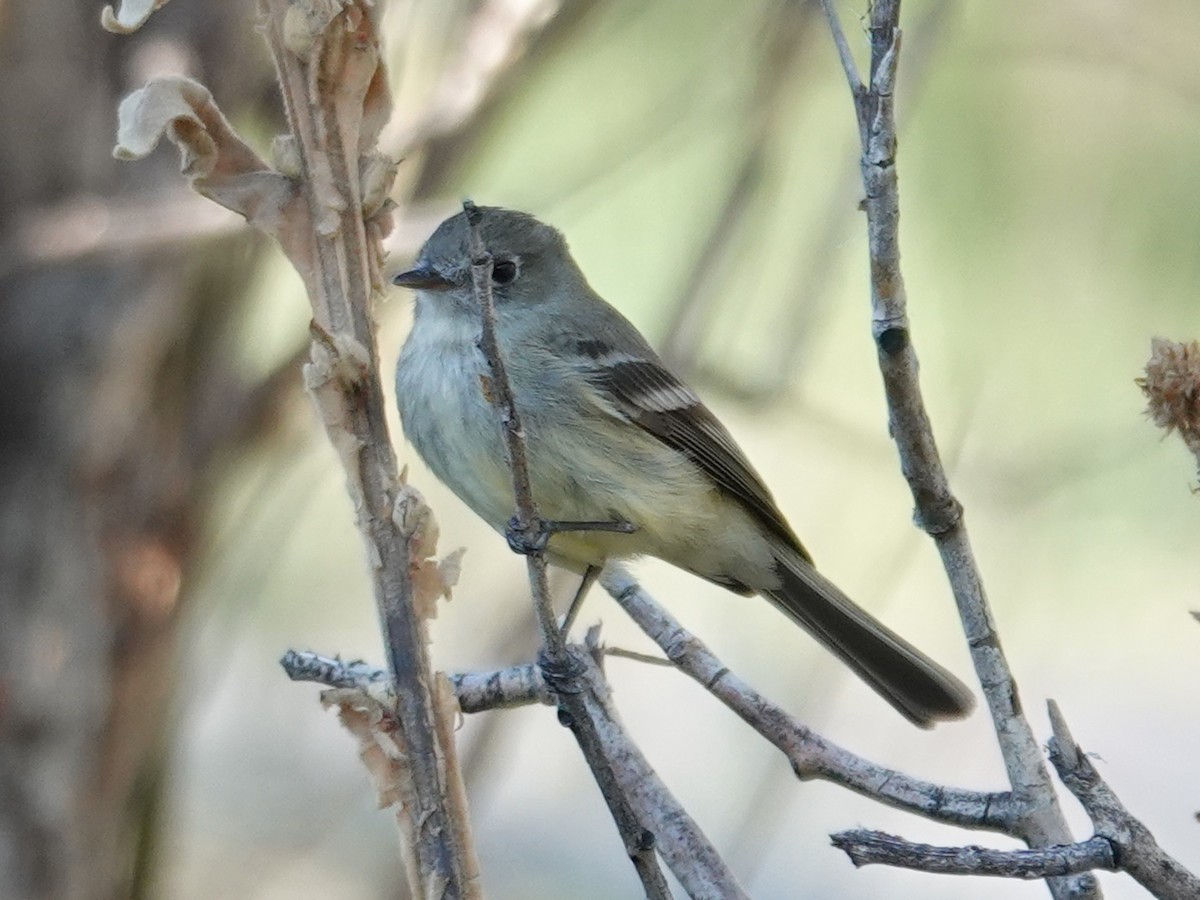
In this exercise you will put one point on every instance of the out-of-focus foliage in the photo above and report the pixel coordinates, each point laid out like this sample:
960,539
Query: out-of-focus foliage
1051,214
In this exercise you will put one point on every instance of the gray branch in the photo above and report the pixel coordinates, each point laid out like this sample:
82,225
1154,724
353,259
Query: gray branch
572,676
476,691
867,848
1134,848
811,755
331,671
339,253
326,204
938,512
1121,842
667,826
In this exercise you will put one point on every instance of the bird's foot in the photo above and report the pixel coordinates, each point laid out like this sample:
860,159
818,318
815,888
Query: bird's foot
590,574
528,538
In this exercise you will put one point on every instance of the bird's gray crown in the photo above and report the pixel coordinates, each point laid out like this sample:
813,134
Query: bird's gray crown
506,233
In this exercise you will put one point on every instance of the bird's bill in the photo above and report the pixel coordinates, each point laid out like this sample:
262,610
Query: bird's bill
423,278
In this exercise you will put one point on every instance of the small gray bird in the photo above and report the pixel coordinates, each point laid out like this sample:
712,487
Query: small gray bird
613,435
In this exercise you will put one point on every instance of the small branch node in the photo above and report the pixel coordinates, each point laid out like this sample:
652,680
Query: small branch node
937,515
883,82
892,341
564,676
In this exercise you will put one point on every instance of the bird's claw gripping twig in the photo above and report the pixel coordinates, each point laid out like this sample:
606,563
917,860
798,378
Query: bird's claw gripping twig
528,538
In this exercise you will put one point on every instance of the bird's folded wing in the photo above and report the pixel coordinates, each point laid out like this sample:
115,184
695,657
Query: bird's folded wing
646,393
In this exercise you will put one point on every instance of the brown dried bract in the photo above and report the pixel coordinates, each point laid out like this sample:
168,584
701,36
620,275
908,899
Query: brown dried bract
1172,386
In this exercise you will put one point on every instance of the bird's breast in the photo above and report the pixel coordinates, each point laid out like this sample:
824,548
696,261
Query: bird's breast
449,421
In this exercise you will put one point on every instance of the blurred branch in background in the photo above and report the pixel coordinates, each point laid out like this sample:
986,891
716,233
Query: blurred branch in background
787,35
785,28
481,68
119,310
110,363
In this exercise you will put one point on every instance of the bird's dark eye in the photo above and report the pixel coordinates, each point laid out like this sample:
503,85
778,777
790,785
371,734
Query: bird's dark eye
504,271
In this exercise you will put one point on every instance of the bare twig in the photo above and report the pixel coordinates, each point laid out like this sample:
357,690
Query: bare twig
331,671
526,521
360,686
937,511
476,691
647,658
815,264
810,754
572,676
1121,842
1134,848
515,686
867,848
843,48
667,826
336,99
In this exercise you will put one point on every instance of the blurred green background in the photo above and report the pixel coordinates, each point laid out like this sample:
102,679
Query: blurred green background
701,158
1050,227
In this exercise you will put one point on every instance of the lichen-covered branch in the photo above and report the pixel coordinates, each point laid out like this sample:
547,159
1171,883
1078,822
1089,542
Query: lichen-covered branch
1121,842
476,691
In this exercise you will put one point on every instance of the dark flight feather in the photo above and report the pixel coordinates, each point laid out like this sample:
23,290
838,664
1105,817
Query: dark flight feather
651,397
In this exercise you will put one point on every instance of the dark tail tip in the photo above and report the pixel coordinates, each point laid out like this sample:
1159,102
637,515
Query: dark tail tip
921,690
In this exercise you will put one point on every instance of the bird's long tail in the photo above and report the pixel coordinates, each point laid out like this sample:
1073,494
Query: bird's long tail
919,688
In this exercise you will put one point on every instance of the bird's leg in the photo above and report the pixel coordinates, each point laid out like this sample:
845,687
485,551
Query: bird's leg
532,537
590,574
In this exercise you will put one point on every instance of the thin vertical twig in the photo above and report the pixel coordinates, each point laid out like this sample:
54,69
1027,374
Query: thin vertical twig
938,512
573,678
320,213
843,48
500,392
